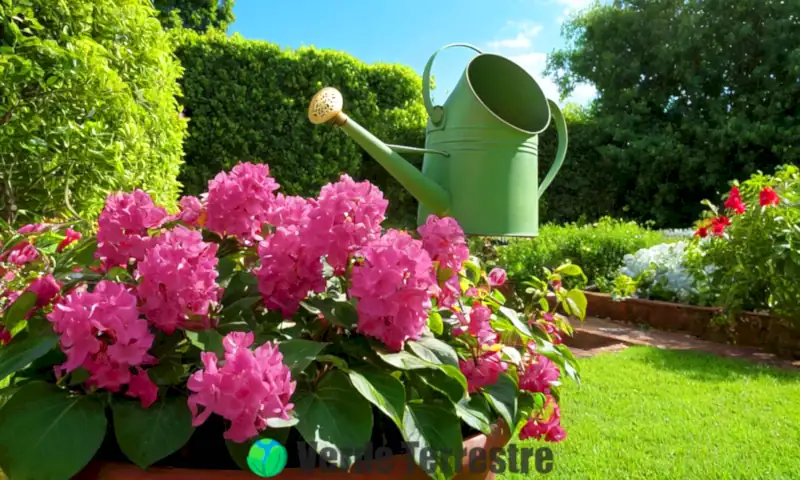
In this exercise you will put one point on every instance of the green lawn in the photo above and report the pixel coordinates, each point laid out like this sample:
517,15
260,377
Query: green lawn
646,413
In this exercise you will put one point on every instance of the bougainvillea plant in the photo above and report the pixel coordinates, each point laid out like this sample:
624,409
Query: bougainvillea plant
272,313
746,255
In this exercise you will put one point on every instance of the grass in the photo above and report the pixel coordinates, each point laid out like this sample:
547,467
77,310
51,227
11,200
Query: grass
646,413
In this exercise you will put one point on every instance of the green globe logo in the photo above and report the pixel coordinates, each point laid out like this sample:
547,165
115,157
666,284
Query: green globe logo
267,458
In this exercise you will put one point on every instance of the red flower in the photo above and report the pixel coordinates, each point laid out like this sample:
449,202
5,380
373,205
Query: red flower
734,201
701,232
718,225
768,197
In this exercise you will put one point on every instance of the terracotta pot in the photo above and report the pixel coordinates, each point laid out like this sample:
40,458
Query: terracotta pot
398,467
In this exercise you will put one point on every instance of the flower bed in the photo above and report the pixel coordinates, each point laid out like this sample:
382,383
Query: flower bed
249,315
775,334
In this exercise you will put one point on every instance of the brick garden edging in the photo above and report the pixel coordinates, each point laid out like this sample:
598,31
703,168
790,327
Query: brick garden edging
774,334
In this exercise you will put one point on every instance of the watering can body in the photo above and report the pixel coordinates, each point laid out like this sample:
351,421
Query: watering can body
480,161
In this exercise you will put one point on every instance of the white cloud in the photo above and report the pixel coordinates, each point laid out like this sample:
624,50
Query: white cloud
525,32
534,62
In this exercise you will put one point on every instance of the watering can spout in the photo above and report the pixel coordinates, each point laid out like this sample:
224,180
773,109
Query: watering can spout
326,107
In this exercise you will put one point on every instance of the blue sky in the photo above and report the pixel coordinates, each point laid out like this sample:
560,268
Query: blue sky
409,31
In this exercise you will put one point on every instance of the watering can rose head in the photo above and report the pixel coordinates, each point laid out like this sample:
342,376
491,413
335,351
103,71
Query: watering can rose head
266,310
481,151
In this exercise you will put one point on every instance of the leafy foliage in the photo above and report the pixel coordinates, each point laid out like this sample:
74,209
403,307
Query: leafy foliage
691,93
756,263
598,248
87,106
248,101
198,15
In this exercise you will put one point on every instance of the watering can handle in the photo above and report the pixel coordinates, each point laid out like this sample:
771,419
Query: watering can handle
436,113
561,128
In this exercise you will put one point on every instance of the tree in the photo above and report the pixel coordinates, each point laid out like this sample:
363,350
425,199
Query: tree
199,15
692,93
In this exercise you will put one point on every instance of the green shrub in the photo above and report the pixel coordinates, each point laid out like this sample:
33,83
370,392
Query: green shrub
755,263
248,101
597,248
87,106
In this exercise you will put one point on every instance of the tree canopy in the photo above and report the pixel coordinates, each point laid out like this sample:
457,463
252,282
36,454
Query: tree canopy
692,93
199,15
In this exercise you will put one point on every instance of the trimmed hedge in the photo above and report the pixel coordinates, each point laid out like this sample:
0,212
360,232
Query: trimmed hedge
247,100
87,106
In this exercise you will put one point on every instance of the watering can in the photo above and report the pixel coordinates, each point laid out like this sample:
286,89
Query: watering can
480,161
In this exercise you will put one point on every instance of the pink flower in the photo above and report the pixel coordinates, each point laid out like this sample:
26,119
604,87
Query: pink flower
250,388
46,289
482,371
191,211
102,332
539,375
32,228
767,197
289,211
22,253
449,293
123,224
734,201
497,277
178,279
444,240
550,428
393,282
143,388
71,236
479,326
288,271
347,216
239,202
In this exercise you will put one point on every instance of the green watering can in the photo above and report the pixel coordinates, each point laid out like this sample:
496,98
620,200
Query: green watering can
481,148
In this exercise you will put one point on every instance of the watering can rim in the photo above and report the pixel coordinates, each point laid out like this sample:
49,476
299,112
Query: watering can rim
525,72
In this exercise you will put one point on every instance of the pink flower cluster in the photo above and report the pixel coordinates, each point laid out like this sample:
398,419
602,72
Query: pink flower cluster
239,202
547,428
178,280
444,239
46,289
251,387
122,227
538,375
393,281
102,332
347,216
483,370
20,254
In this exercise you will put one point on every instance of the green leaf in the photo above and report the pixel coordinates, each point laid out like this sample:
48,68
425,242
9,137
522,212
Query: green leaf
18,310
147,435
242,284
20,354
46,434
404,361
239,316
434,350
340,313
239,451
570,270
526,404
208,341
298,353
338,362
512,354
475,412
576,303
433,430
334,415
446,379
382,390
435,323
502,396
513,316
